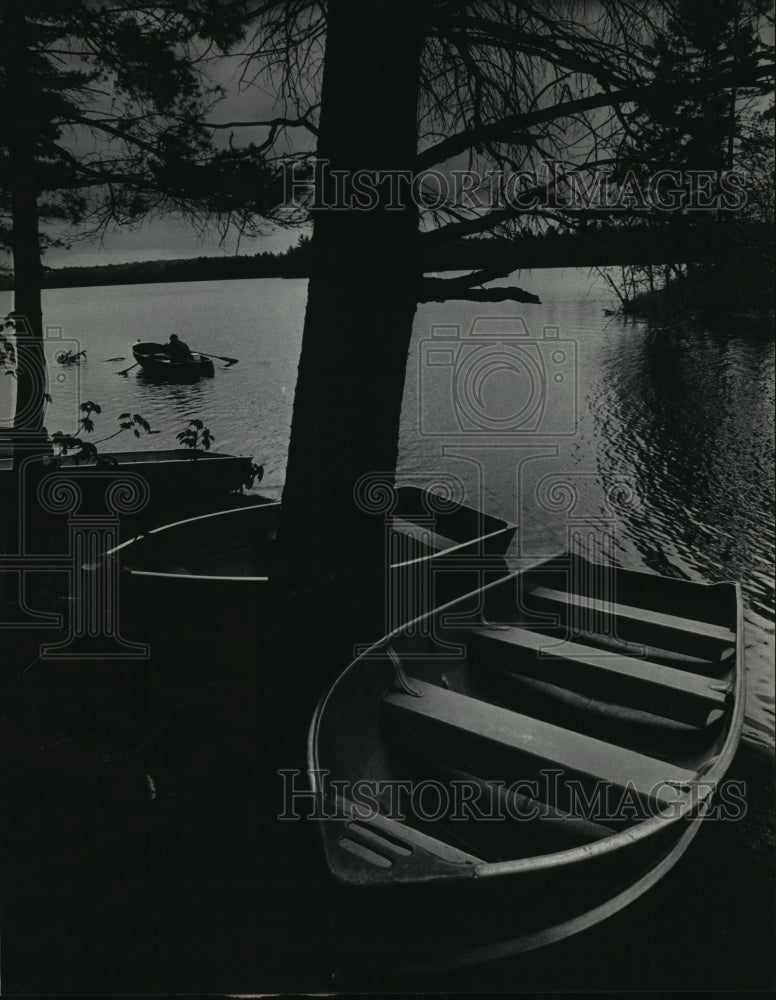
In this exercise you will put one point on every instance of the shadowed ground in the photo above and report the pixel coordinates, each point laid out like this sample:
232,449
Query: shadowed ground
141,853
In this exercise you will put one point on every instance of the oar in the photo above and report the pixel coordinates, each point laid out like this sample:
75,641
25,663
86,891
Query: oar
122,358
128,369
219,357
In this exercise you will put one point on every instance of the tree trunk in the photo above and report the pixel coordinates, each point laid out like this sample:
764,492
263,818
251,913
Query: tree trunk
362,298
28,435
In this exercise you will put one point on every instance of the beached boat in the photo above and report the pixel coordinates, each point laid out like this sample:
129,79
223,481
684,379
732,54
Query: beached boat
223,562
235,548
155,361
171,473
213,555
524,762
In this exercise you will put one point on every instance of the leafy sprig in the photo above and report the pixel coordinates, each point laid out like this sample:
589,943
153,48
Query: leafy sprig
135,423
196,436
85,451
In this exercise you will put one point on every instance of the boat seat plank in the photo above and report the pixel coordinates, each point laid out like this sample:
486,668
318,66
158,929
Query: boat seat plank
561,823
654,628
625,680
396,840
430,540
545,743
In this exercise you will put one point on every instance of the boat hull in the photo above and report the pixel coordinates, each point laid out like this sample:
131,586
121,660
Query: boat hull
211,571
438,928
221,564
432,894
156,364
172,474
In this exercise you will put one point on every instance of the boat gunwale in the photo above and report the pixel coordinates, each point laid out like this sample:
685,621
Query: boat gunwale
178,455
705,781
163,575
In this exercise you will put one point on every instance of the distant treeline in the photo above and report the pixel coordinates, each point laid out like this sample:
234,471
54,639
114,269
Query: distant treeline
587,246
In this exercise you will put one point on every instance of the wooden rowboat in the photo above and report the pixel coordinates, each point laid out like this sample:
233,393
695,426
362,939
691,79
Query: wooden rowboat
229,549
155,361
171,473
232,551
222,564
568,726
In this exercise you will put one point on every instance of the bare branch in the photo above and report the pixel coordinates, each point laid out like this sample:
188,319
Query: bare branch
441,290
273,123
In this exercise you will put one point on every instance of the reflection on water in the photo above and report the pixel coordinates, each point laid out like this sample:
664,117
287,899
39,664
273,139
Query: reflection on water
685,422
681,423
691,416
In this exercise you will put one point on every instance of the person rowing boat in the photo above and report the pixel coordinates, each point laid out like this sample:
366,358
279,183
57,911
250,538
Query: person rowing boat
179,351
172,360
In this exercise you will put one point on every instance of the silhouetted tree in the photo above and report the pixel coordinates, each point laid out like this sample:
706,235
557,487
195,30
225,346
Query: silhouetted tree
708,65
408,87
706,58
102,122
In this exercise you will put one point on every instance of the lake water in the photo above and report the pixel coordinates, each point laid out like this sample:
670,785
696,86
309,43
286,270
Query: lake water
658,446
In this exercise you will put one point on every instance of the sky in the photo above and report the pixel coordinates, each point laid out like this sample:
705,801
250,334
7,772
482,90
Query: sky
164,239
169,237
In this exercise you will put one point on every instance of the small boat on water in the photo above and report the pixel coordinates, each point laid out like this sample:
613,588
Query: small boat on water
524,762
155,361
